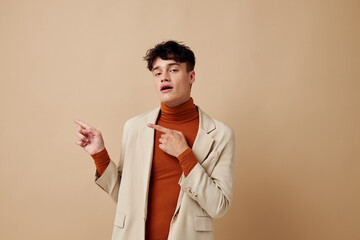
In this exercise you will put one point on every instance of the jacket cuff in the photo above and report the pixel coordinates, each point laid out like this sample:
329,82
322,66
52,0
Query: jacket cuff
108,179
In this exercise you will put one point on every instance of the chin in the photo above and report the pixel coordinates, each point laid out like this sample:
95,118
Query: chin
166,99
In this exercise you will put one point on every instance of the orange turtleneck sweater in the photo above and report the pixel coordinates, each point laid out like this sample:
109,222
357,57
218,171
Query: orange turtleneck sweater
166,170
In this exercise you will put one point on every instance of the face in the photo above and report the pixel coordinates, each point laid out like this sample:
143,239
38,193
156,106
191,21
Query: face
172,81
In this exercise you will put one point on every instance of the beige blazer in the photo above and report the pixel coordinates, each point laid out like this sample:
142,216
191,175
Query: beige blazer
205,193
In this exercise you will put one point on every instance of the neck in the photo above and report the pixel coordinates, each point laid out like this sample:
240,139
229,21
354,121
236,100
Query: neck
182,113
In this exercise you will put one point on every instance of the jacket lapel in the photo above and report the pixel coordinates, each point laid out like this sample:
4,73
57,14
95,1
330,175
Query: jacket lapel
146,148
202,145
203,140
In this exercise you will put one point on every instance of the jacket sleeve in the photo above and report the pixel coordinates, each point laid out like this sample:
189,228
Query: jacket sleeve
213,189
110,180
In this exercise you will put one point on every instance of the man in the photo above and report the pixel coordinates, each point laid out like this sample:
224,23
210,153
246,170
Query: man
176,166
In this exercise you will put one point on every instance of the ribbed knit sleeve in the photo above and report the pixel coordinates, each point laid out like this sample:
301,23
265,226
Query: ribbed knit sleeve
187,161
102,160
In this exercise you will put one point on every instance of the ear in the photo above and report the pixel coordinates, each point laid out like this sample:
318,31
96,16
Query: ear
192,77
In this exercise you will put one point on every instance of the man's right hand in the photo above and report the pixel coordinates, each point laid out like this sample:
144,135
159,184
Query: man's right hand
90,139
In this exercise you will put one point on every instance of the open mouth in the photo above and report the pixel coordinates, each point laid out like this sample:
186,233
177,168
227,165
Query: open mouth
165,88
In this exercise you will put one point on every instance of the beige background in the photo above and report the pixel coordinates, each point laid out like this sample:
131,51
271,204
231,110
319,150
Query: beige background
283,74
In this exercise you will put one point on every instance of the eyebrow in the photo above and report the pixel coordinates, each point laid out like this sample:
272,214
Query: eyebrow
168,65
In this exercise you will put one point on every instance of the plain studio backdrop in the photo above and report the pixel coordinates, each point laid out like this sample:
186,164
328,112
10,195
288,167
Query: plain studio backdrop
283,74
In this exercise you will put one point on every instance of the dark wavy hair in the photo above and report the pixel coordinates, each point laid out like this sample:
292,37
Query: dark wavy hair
171,50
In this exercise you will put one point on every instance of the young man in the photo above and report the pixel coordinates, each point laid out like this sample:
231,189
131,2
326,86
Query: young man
176,167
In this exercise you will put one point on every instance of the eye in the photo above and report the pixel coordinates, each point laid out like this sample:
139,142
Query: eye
174,70
157,74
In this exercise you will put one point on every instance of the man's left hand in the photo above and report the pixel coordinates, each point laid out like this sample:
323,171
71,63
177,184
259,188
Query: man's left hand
171,141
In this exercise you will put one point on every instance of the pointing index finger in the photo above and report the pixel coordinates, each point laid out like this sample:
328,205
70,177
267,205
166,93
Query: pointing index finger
82,124
158,128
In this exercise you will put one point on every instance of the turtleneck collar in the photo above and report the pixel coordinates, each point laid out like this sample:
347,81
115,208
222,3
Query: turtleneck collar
183,113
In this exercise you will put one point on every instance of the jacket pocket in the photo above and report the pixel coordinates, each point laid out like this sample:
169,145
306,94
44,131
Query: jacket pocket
119,219
204,224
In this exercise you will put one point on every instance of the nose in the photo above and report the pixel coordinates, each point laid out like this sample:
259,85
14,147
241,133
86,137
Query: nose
165,77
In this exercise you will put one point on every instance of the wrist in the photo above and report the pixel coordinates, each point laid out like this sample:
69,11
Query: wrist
98,150
182,151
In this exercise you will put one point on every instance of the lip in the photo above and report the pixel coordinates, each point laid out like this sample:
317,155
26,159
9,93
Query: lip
166,88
